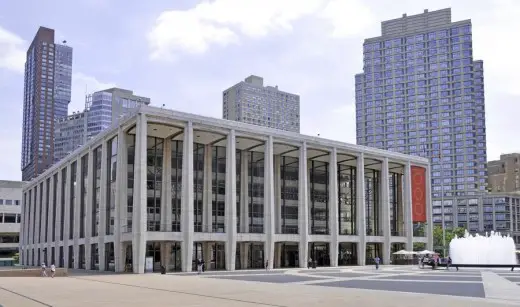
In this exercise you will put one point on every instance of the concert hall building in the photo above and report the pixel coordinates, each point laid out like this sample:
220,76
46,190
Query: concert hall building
165,188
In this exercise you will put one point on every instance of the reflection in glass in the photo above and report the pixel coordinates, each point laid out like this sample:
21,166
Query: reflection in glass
176,165
372,202
319,197
198,186
289,194
130,142
83,200
96,191
154,167
256,192
347,199
218,188
73,177
111,185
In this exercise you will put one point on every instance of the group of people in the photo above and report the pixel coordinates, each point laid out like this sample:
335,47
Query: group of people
44,270
435,261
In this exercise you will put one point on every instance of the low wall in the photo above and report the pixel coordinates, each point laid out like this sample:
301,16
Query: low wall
32,272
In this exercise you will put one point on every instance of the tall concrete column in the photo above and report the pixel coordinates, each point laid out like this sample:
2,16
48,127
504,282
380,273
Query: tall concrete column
278,194
244,192
77,209
207,196
66,217
50,218
333,207
187,198
231,201
88,210
429,213
407,202
303,208
385,210
121,200
43,223
140,197
37,217
103,190
269,201
361,208
58,217
166,197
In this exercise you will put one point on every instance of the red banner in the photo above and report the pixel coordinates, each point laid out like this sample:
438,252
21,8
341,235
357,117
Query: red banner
418,194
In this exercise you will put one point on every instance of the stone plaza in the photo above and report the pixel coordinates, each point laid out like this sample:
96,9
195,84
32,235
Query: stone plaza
388,286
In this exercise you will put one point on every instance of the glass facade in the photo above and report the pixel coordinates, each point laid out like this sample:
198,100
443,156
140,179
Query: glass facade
218,188
256,192
154,164
111,185
347,200
423,94
83,201
372,203
289,194
96,190
198,186
63,201
176,164
73,171
130,141
319,197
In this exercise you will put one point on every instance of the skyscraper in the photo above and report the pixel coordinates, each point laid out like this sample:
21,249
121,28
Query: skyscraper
102,109
251,102
422,93
47,85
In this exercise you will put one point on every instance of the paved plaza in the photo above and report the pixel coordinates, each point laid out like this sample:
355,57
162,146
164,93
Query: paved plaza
389,286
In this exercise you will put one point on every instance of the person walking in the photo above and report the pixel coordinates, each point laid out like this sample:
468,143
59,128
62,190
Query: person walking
53,270
448,263
377,260
199,266
44,270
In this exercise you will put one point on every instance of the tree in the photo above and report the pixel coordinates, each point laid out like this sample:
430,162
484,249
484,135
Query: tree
16,257
438,245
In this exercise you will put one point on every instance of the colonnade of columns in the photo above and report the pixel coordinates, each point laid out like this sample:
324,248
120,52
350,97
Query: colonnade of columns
139,233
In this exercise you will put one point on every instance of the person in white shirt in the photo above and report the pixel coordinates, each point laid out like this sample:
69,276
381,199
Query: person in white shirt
53,270
44,270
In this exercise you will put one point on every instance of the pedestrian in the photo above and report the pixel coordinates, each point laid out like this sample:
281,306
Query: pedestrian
267,265
44,270
448,263
53,270
199,266
377,260
309,263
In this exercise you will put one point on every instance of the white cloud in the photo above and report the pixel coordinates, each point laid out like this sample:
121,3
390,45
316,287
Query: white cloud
223,22
83,84
348,17
12,51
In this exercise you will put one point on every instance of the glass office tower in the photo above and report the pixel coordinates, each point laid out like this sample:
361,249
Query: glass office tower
422,93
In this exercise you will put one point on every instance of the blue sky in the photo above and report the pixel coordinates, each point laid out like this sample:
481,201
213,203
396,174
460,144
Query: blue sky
183,53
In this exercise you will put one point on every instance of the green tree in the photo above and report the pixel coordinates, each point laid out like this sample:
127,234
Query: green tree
438,245
16,257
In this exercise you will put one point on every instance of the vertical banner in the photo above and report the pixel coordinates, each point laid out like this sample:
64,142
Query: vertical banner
418,194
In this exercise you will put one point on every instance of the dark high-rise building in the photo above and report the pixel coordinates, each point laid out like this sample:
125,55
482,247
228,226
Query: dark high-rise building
47,91
422,93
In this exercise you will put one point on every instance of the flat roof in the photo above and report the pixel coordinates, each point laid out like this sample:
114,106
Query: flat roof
279,135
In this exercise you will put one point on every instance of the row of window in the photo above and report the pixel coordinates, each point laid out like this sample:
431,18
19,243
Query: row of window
9,202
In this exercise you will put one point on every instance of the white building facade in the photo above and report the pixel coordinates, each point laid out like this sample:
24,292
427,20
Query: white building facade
10,217
164,188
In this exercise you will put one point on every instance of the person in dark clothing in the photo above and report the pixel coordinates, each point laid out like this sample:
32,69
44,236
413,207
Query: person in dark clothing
448,263
377,260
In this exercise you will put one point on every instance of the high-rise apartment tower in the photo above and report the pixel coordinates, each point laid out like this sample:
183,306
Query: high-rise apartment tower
422,93
251,102
47,86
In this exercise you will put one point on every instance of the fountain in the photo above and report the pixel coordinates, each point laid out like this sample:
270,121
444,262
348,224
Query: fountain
492,248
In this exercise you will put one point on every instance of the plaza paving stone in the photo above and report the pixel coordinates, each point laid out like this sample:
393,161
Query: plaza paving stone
280,288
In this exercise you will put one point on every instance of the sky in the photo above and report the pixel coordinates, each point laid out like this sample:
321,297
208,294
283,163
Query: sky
184,53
